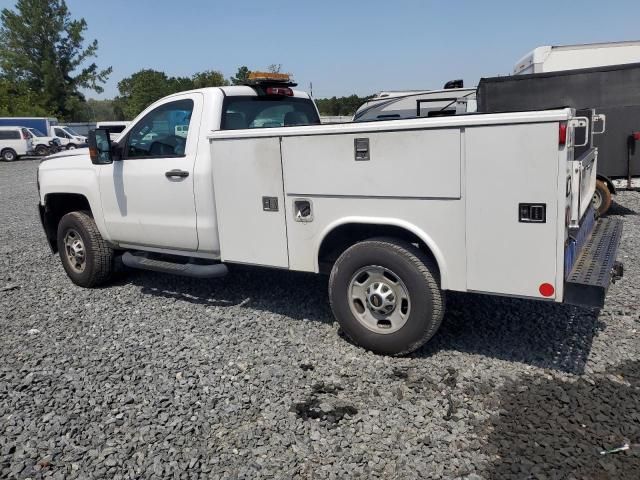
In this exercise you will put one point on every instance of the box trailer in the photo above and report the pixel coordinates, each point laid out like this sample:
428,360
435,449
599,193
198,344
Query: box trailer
570,57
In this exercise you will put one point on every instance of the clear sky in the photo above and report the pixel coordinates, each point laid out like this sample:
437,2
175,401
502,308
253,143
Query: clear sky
343,47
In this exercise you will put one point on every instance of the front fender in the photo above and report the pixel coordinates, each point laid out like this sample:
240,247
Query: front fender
73,175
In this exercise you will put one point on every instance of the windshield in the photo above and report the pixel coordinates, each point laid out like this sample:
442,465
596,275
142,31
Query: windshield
265,112
36,133
71,132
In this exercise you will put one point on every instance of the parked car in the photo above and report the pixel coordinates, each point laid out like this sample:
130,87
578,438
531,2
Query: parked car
43,144
15,142
396,212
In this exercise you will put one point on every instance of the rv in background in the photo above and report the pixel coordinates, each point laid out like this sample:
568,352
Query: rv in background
571,57
611,90
390,105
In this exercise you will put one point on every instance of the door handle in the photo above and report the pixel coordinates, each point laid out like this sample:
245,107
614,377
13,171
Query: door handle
176,173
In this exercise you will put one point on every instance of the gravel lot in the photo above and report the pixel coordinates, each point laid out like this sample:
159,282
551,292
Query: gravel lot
247,377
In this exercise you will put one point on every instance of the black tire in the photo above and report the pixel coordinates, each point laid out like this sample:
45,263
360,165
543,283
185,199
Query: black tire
419,275
98,256
42,150
71,146
9,155
601,197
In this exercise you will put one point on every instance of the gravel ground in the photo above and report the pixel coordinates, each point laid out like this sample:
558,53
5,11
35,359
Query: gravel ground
248,377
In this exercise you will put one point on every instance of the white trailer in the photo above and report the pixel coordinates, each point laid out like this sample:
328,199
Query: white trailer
397,212
570,57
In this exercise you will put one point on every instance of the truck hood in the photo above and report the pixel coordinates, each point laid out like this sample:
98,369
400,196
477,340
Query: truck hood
77,158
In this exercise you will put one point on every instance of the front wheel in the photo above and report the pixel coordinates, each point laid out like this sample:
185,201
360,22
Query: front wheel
85,256
386,296
41,150
71,146
601,198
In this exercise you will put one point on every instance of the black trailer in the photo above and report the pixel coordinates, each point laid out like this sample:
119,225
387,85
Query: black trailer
612,90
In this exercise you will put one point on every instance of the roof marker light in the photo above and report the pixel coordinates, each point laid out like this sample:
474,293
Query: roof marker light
281,91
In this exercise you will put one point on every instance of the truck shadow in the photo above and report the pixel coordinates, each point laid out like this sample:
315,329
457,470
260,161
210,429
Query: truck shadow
621,210
547,425
540,334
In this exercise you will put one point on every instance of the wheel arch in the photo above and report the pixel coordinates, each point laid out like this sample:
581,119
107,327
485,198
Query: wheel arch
57,205
608,182
341,234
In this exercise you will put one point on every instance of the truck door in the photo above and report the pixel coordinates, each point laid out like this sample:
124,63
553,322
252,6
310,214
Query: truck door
147,196
247,179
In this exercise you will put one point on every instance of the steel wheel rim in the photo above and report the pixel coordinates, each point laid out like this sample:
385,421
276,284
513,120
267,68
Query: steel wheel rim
597,199
379,299
75,250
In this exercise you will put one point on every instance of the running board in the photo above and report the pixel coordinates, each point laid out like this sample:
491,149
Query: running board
186,269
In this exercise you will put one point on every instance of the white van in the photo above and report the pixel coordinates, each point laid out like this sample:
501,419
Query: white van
69,138
15,142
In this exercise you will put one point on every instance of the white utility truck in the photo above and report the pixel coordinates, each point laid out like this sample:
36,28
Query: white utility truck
397,212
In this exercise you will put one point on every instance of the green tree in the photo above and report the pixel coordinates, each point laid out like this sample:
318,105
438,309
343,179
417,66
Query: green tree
146,86
338,106
209,78
143,88
94,110
242,76
42,50
16,100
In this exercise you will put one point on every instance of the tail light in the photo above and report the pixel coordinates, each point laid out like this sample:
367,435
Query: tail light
636,135
279,91
562,134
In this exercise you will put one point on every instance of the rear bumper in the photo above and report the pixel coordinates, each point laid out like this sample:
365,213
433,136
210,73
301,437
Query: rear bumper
595,267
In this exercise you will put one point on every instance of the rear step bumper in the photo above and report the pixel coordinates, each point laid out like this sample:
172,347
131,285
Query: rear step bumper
187,269
596,266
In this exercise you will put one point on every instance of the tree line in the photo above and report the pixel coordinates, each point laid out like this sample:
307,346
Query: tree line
45,66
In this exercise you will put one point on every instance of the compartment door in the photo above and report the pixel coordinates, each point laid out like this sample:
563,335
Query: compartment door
249,196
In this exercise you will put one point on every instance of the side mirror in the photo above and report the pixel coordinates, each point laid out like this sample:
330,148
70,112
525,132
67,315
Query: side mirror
100,147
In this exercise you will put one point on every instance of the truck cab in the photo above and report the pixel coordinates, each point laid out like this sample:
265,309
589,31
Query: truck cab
397,212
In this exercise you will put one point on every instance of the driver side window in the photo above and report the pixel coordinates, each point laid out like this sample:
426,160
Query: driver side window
60,133
162,132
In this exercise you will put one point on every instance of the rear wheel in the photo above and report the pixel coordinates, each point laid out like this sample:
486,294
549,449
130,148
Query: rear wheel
601,197
86,257
386,296
9,155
